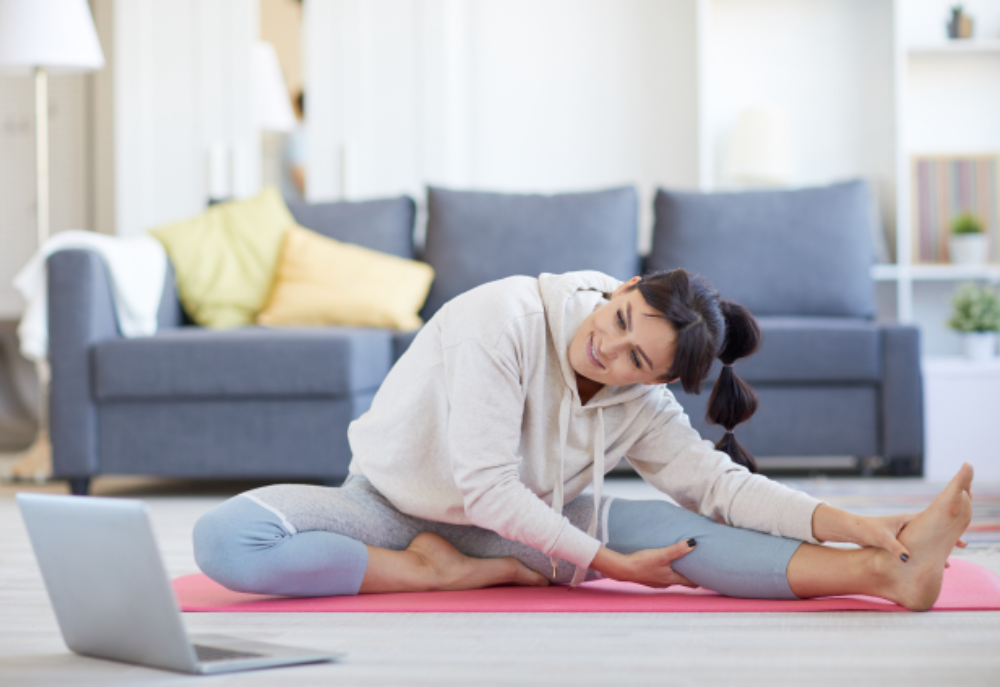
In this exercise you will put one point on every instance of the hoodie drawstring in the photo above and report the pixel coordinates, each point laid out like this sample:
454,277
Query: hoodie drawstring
557,496
581,571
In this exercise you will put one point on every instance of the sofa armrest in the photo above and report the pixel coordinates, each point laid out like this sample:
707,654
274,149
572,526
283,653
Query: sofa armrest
902,399
81,314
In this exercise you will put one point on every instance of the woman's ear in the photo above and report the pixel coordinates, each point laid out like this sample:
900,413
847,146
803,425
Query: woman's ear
657,382
625,287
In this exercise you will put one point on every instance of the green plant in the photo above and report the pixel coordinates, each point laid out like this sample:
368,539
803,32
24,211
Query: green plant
966,223
977,309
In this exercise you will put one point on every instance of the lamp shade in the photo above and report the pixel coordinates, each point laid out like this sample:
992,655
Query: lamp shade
56,34
274,109
760,151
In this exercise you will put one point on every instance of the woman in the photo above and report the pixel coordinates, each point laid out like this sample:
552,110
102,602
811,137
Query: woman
468,469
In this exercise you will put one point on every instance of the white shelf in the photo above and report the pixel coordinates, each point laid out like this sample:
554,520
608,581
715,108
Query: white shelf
952,365
957,47
936,272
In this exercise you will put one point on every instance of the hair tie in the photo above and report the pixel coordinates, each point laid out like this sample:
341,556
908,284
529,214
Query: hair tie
730,431
729,365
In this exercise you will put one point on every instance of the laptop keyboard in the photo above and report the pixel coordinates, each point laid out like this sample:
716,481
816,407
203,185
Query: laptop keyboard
207,654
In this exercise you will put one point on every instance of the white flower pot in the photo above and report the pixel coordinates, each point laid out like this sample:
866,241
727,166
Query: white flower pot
980,346
967,249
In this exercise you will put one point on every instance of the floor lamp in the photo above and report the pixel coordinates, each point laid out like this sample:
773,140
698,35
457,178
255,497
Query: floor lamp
43,36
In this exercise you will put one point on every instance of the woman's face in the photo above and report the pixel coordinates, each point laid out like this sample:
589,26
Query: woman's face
624,342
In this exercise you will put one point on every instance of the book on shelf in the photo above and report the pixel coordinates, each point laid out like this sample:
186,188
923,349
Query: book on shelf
945,186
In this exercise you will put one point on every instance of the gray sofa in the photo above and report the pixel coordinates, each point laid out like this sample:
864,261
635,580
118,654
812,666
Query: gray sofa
276,403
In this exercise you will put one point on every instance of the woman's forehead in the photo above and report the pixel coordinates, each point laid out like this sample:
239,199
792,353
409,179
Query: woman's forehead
655,334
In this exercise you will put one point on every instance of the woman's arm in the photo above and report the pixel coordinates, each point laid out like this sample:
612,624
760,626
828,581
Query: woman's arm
675,459
651,567
834,524
486,409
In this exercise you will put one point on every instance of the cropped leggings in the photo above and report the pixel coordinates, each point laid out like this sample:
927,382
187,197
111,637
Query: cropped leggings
304,540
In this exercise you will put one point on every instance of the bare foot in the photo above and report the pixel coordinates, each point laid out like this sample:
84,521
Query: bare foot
930,537
452,570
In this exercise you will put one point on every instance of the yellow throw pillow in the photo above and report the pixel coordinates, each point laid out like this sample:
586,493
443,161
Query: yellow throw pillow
323,281
225,258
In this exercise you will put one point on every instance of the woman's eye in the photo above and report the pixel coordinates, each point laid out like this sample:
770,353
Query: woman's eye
635,360
621,320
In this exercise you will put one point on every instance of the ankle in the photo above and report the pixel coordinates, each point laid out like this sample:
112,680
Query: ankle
426,575
879,569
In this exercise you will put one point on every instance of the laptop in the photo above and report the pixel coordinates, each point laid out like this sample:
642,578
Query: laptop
111,594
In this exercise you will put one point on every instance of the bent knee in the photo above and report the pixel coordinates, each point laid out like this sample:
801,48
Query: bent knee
229,539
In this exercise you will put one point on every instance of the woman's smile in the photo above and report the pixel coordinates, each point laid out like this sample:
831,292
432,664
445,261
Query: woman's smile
592,354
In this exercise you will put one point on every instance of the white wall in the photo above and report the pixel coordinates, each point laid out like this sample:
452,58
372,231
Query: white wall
68,182
181,82
502,95
829,65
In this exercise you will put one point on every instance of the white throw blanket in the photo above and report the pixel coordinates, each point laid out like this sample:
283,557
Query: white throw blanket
137,265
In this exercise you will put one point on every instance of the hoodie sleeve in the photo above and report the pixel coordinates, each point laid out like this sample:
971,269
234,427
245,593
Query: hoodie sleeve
674,458
484,429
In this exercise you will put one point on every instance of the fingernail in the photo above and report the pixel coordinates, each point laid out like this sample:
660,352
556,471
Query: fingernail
691,542
904,557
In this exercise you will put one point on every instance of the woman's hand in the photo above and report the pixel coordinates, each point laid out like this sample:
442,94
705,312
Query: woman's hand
882,531
651,567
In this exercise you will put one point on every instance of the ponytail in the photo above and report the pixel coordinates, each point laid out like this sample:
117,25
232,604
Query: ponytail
707,327
732,400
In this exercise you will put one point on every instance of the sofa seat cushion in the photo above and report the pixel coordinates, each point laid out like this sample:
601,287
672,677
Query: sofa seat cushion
192,362
813,349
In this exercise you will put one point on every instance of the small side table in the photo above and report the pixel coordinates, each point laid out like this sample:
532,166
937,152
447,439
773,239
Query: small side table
961,417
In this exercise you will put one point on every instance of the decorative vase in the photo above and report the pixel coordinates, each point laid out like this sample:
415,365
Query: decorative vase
967,249
960,24
979,346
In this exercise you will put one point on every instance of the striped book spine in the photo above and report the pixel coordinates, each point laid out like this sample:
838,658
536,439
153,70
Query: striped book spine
945,187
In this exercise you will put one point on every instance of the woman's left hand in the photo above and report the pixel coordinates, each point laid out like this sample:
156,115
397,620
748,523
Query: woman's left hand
882,531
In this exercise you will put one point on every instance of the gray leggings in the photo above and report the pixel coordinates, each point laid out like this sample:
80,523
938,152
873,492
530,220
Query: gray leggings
303,540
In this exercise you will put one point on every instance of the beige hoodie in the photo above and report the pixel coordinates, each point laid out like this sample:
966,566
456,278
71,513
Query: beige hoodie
480,423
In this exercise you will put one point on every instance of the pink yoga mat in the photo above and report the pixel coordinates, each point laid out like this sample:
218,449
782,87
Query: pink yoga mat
967,587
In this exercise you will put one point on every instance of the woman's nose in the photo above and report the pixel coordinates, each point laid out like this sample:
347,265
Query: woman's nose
616,345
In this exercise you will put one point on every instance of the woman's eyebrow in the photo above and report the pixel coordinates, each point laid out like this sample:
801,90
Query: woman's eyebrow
628,313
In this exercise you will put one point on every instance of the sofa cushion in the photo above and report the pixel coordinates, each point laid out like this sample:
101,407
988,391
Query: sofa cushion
475,237
191,362
382,225
225,258
323,281
800,252
813,350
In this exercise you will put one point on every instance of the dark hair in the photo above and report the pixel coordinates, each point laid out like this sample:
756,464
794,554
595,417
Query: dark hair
708,328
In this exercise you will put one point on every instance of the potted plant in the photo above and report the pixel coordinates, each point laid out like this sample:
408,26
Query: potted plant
967,243
977,319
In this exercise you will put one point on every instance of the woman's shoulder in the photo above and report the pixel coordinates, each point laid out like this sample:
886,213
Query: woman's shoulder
489,311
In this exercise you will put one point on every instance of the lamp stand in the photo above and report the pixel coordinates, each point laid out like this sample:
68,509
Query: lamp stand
36,463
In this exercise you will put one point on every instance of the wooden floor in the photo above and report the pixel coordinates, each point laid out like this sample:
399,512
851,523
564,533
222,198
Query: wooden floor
844,648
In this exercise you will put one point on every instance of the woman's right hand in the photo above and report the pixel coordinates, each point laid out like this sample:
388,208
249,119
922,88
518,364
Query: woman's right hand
650,567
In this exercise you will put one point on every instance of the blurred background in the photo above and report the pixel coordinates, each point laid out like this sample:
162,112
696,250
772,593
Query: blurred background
199,100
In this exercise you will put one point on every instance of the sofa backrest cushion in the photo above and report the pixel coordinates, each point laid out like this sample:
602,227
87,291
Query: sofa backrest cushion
798,252
384,225
476,237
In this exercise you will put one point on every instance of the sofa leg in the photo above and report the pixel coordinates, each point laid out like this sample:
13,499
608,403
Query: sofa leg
906,466
79,486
